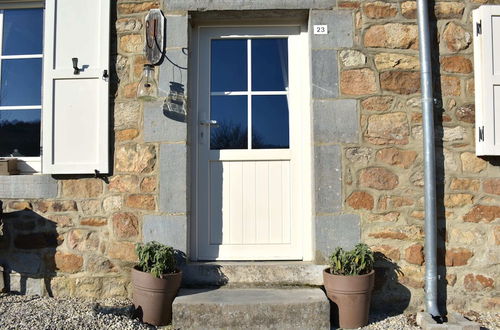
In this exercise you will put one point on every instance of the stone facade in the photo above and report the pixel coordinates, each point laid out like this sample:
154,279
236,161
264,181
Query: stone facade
385,170
76,235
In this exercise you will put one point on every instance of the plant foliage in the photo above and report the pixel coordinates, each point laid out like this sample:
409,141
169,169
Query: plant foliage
358,261
156,258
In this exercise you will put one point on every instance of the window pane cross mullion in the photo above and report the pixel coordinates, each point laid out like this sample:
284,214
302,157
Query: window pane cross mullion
249,89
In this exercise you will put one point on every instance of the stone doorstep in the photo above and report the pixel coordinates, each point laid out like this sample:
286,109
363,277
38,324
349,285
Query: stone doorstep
253,274
255,308
455,322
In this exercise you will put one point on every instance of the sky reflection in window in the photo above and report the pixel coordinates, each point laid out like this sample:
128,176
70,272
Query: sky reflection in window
22,31
21,82
230,112
270,122
228,65
269,64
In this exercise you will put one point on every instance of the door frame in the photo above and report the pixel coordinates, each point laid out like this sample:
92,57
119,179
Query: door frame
305,184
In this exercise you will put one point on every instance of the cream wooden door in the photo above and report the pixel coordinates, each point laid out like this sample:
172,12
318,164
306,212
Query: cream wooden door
248,135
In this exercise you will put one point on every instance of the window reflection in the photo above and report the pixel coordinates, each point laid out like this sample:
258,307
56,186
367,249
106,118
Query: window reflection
19,133
269,64
230,112
22,31
228,62
21,82
270,122
269,113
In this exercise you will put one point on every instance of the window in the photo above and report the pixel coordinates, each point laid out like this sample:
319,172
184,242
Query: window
66,109
21,48
249,93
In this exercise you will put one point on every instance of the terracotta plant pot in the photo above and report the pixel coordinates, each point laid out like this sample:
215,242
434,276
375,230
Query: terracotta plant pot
153,297
352,295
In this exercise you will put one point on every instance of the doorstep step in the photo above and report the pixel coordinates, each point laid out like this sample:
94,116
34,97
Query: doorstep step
254,274
255,308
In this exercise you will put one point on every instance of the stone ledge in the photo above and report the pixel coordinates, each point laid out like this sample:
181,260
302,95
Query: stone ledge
455,322
28,186
302,308
247,5
252,274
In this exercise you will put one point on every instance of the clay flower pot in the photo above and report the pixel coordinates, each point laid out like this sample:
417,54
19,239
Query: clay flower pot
152,297
352,294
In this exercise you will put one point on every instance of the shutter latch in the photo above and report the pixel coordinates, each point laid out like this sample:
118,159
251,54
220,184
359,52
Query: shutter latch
479,28
481,134
75,65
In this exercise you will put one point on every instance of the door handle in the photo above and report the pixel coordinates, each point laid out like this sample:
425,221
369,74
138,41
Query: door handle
209,123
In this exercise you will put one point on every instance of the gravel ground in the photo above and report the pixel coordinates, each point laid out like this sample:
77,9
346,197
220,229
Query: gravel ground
33,312
397,322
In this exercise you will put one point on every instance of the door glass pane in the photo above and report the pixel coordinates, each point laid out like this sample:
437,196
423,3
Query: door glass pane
230,112
19,133
270,122
21,82
22,31
228,65
269,64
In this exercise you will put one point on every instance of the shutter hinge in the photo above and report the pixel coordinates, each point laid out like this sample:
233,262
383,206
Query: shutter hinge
99,175
479,28
481,134
41,150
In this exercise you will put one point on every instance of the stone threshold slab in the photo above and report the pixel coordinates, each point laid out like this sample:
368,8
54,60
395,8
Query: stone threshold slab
268,273
251,309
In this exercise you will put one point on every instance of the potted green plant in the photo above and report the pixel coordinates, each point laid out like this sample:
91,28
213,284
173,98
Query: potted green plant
349,283
156,281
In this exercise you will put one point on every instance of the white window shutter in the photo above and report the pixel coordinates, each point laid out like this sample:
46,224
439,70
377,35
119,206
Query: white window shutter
75,106
486,20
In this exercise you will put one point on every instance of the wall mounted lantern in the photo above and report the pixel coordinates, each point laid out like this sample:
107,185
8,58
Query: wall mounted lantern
155,50
148,87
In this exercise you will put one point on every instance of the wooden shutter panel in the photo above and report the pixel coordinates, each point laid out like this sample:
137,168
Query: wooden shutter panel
486,28
75,106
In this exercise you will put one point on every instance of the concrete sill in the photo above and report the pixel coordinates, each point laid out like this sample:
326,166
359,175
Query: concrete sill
27,186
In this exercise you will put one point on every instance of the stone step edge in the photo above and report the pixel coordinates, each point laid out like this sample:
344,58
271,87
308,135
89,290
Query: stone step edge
245,309
253,273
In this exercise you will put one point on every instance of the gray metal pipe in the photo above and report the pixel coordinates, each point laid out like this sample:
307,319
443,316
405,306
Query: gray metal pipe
431,278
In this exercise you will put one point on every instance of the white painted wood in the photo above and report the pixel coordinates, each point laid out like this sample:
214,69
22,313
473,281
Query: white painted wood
21,107
487,79
259,206
250,93
75,107
262,202
249,205
13,57
243,154
79,109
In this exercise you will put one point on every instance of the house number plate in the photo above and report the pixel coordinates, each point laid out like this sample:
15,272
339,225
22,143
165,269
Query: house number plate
320,29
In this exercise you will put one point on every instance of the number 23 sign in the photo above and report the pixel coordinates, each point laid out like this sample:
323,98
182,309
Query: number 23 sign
320,29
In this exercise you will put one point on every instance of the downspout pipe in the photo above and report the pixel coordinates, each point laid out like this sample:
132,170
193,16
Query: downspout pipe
431,278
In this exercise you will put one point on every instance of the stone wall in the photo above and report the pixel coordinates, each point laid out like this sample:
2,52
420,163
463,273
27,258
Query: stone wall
383,175
81,240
